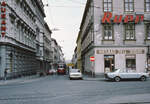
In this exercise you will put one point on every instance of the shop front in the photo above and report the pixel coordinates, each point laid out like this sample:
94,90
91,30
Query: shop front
130,59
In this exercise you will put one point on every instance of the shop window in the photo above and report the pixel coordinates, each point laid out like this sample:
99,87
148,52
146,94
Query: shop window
107,5
108,32
147,5
131,63
130,31
129,5
147,31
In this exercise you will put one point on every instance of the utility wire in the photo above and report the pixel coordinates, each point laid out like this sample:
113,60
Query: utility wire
50,12
76,2
67,6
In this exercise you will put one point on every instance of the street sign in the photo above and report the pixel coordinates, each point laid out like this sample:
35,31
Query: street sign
92,58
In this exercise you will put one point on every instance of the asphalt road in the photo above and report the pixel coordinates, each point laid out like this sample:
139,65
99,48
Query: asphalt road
61,90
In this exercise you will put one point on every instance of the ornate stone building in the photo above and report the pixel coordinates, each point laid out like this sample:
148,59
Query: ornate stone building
21,45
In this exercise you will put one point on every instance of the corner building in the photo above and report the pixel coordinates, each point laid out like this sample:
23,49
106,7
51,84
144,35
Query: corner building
18,37
117,34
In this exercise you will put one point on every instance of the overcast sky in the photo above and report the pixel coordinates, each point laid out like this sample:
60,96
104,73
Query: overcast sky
66,16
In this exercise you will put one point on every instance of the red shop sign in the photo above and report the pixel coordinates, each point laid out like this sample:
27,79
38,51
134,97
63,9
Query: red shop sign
118,18
3,17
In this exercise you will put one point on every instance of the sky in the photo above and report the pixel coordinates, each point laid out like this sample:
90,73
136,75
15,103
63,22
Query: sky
64,18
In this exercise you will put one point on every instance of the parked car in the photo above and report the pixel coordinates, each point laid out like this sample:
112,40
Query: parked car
119,74
75,74
52,71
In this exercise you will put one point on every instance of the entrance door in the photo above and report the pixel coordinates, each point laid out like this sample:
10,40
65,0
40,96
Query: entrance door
109,63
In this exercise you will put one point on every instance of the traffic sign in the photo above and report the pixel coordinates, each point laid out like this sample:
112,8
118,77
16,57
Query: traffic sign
92,58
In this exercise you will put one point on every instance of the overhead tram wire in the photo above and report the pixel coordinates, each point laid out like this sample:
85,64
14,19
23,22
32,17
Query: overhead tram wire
67,6
77,2
80,5
50,12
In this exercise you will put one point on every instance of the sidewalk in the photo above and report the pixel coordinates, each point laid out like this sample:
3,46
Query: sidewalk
18,80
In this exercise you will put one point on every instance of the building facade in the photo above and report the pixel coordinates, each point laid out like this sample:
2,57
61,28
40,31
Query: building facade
47,52
116,33
17,40
57,54
40,34
75,58
23,35
78,42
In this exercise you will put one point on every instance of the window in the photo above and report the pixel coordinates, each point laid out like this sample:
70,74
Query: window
130,62
107,5
129,5
22,33
37,33
147,5
147,31
108,32
129,32
12,18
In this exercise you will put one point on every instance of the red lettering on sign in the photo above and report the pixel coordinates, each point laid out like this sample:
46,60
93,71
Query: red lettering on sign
107,17
3,10
3,28
116,20
3,22
3,16
3,3
128,18
139,18
3,34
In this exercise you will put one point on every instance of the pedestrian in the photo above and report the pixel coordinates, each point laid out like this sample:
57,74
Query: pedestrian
5,74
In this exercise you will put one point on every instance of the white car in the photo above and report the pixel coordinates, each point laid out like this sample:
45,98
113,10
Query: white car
52,71
75,74
118,75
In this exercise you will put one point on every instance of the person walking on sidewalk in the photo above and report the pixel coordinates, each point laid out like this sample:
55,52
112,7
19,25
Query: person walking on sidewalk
5,74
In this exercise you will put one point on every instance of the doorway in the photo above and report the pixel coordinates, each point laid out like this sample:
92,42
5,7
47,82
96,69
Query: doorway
108,63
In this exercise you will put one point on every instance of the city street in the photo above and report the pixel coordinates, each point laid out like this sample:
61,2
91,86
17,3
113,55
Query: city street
60,90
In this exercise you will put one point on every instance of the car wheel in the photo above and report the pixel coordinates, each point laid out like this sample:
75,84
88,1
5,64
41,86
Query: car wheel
70,78
117,79
143,78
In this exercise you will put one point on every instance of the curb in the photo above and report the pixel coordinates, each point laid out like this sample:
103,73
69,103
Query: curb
18,80
100,79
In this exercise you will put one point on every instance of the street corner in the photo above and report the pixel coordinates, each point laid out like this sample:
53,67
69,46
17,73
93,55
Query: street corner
128,99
